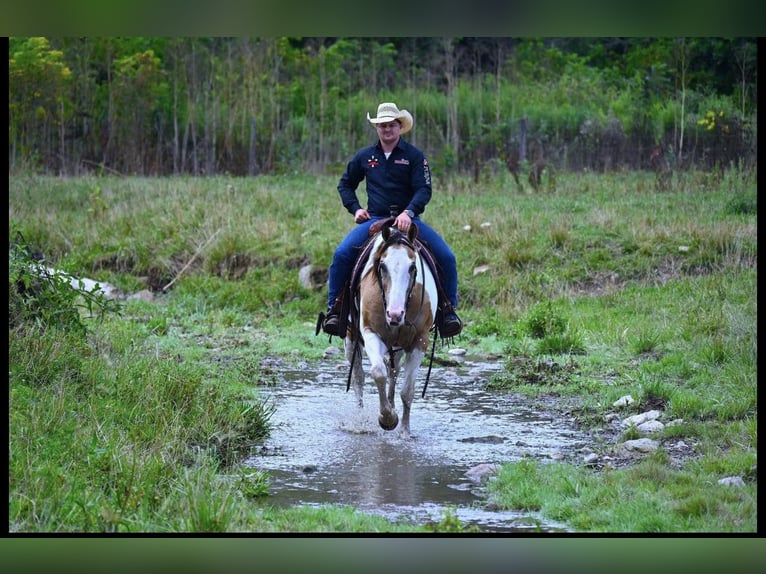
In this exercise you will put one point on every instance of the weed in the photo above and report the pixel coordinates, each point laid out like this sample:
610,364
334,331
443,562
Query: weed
541,320
645,342
37,293
253,484
566,343
450,522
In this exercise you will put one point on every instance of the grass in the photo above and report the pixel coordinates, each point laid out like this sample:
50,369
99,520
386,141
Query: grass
137,420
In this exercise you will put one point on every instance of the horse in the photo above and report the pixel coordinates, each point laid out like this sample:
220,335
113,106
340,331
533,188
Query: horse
395,307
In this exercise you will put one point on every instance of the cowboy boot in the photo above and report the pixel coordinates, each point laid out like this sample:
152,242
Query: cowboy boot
450,324
330,323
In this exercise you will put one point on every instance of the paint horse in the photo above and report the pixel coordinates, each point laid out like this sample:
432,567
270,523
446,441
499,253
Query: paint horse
394,308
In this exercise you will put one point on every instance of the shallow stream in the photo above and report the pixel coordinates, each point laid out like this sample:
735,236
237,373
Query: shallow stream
324,450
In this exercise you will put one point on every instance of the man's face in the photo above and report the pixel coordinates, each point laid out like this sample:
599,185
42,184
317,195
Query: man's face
388,132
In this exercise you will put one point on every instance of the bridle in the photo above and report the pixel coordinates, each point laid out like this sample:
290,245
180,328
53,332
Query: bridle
400,239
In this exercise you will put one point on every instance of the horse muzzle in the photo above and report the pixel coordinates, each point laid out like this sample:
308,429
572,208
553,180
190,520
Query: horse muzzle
395,316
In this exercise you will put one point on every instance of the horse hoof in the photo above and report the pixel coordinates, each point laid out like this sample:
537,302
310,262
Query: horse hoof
389,422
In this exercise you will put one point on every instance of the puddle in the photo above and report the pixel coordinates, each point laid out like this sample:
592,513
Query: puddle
324,450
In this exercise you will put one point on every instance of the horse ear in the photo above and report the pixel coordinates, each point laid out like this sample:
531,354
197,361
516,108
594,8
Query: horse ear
412,232
386,232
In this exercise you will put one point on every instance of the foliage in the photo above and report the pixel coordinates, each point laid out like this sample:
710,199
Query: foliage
643,499
542,321
38,294
247,106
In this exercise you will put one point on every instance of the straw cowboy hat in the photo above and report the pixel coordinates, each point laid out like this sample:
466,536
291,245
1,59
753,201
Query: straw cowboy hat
388,112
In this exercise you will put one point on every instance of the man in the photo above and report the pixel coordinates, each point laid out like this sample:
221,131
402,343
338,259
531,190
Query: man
397,174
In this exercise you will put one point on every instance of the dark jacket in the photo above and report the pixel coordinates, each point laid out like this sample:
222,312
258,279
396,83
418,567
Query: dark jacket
404,179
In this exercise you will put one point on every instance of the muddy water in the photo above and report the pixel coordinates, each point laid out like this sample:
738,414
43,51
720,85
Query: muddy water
324,450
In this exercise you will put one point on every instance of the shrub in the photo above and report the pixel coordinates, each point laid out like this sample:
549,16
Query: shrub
36,294
542,321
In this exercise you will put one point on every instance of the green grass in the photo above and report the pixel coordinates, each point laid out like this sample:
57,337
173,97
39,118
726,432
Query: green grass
137,421
648,497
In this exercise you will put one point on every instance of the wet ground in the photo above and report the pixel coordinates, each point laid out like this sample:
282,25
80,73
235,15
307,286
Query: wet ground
324,450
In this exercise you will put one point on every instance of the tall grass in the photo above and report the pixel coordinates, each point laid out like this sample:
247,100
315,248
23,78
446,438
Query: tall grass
601,288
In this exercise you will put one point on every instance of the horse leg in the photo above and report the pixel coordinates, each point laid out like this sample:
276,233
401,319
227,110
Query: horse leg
394,374
355,362
376,350
411,366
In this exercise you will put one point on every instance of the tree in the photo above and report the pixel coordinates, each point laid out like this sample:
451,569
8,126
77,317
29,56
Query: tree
38,104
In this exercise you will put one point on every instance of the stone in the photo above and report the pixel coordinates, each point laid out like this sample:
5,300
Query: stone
641,445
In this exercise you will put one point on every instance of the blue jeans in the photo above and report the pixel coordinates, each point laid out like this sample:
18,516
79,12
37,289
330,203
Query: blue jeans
346,253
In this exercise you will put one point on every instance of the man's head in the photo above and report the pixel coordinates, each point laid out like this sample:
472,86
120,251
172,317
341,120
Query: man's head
388,113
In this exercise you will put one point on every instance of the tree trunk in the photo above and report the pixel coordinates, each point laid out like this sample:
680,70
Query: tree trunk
252,165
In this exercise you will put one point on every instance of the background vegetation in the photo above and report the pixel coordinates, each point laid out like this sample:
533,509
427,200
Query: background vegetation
246,106
139,421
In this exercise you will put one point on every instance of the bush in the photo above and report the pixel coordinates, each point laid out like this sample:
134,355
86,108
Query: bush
49,299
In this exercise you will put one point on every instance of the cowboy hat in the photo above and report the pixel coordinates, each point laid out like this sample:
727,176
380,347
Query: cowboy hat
388,112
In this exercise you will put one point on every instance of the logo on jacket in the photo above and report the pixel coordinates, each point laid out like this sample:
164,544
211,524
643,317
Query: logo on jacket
373,162
402,161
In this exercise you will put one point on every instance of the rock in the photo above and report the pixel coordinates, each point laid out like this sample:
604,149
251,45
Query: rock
481,471
641,445
590,459
143,295
636,420
650,426
312,277
332,352
489,439
732,481
98,287
623,401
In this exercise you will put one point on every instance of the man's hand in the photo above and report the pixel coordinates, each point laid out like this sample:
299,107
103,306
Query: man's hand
361,215
403,222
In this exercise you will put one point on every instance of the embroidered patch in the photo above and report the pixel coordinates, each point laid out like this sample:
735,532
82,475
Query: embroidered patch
403,161
426,172
373,162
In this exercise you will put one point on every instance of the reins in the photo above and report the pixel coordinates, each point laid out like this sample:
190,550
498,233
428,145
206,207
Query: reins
353,358
430,364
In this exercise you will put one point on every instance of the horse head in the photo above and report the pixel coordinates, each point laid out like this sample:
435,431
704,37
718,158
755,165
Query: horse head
397,272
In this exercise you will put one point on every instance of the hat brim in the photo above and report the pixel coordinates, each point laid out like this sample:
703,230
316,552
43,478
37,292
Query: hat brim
404,117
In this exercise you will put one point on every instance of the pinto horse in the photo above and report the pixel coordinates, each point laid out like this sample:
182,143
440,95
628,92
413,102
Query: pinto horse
395,308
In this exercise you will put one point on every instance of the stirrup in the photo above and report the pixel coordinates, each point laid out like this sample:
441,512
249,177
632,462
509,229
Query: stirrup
330,323
320,322
455,327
